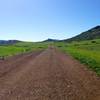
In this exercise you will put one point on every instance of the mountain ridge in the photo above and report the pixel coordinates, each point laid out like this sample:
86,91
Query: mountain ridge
51,40
8,42
93,33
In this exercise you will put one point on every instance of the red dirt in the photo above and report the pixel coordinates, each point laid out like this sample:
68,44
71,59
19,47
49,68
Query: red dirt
47,75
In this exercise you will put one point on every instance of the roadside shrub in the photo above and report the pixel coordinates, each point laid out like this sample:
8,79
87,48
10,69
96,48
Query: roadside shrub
93,41
59,46
39,47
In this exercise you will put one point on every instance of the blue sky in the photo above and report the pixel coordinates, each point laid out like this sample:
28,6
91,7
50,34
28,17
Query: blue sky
36,20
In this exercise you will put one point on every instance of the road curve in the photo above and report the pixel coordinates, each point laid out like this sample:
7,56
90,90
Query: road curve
47,75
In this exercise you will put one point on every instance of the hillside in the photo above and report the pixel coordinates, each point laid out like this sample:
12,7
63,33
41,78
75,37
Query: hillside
51,40
6,42
93,33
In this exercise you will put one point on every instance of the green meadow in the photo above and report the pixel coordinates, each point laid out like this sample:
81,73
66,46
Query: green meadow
87,52
21,47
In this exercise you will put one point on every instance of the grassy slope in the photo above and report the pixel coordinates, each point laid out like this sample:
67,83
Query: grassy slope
93,33
21,47
87,52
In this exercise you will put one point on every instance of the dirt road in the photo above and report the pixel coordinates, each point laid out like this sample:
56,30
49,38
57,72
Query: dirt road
47,75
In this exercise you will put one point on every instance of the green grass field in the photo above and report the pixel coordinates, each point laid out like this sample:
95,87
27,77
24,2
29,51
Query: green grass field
21,47
87,52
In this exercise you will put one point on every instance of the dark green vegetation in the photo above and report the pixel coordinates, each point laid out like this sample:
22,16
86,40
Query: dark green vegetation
87,52
21,47
93,33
